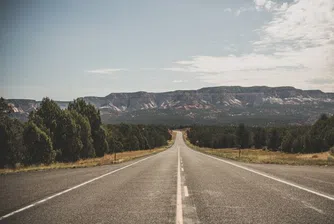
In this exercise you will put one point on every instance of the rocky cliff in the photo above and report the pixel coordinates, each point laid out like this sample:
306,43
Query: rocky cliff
213,105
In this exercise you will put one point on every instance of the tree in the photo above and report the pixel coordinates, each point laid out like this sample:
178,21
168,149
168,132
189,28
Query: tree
87,110
98,133
297,145
134,143
329,137
242,136
4,108
319,133
160,140
38,120
12,148
67,138
307,142
49,112
259,137
100,142
323,117
115,145
287,142
230,140
39,145
274,139
85,134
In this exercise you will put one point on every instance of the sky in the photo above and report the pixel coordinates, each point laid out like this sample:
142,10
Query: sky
66,49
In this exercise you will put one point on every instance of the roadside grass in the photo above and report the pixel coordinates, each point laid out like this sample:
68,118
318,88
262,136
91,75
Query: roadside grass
91,162
266,156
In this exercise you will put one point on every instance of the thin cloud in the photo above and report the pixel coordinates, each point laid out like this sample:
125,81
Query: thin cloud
107,71
269,5
263,5
244,9
180,81
328,80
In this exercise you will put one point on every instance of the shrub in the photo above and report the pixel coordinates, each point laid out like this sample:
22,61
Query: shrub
331,150
39,145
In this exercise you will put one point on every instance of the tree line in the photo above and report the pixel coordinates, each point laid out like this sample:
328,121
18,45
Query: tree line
318,137
52,134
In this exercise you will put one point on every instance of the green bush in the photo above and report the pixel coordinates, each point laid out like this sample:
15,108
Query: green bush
39,145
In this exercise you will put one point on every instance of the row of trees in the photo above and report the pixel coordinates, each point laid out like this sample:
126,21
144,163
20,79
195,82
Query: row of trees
128,137
292,139
52,134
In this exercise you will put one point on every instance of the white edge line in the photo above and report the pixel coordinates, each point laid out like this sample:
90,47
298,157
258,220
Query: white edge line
179,213
70,189
271,177
186,193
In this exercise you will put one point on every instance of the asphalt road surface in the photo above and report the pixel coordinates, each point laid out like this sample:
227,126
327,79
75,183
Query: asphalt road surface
178,185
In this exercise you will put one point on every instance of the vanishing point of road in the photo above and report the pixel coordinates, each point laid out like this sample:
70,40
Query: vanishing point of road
179,185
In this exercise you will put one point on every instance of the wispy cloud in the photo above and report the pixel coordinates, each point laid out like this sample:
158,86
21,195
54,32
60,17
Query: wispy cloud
296,46
244,9
251,62
269,5
228,10
180,81
262,5
107,71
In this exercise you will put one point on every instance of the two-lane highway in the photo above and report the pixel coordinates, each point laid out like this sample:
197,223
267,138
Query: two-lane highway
179,185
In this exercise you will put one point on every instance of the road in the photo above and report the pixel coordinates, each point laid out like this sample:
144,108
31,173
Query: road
179,185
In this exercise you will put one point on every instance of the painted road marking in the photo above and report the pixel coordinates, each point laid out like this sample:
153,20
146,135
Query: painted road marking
271,177
70,189
186,193
179,213
182,169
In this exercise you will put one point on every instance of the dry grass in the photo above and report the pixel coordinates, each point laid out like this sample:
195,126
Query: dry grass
269,157
105,160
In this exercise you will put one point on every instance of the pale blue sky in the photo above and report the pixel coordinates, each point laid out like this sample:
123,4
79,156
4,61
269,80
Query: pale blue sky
65,49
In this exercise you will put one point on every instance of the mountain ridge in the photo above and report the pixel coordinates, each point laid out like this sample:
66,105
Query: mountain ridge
205,105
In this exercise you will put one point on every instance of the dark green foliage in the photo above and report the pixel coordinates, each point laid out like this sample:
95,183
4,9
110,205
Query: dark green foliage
67,138
329,137
274,139
114,145
100,142
134,143
297,145
4,109
322,133
287,142
242,136
160,140
259,138
52,134
48,114
85,134
291,139
136,137
39,145
12,149
213,136
98,134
